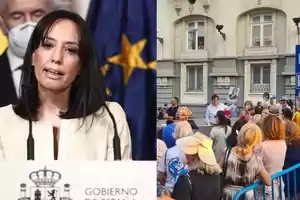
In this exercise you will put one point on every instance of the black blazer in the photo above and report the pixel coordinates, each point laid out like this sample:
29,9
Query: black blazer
8,93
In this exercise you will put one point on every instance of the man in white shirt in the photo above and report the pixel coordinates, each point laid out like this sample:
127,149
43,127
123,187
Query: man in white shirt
212,109
19,18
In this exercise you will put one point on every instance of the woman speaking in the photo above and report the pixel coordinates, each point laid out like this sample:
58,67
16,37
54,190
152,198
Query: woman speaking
62,113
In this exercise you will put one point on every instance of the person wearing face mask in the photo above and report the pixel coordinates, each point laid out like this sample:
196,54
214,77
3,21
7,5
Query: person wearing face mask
19,19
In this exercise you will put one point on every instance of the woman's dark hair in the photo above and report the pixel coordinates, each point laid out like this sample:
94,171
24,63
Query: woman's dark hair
228,122
258,110
159,134
176,99
231,140
248,102
290,103
87,93
223,121
214,96
287,113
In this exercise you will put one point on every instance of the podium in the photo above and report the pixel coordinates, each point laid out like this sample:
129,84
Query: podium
78,180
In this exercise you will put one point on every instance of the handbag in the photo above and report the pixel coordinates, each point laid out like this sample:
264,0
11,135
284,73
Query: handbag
188,179
224,169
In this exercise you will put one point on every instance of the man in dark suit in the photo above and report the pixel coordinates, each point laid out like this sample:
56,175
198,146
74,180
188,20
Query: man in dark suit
19,20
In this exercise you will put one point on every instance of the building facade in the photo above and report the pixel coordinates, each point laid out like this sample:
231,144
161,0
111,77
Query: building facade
255,53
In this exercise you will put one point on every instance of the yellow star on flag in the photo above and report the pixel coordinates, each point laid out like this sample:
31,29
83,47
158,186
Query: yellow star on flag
108,92
152,65
104,69
130,58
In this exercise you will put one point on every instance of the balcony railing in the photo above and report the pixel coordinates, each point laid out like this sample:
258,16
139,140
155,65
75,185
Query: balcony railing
260,88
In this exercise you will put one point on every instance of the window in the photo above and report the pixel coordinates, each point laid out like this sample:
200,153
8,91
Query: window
260,77
196,35
262,30
194,79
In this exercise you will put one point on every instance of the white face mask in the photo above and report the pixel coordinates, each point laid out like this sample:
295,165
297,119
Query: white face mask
19,36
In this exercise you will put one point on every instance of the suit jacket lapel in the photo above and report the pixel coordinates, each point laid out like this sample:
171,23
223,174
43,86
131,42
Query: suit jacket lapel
8,93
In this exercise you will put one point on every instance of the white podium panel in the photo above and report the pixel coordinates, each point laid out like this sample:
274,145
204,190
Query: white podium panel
78,181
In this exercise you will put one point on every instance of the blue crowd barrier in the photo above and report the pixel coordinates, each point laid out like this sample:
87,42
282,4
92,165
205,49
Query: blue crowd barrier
278,176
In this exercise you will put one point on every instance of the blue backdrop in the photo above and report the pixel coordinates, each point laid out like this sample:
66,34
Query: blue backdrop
297,71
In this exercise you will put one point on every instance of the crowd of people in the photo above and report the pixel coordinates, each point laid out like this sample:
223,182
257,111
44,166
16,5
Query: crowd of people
216,165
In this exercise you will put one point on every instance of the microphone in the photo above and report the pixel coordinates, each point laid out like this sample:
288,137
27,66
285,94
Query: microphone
116,139
30,139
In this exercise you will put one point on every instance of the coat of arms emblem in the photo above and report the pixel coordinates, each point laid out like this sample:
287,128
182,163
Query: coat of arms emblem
44,188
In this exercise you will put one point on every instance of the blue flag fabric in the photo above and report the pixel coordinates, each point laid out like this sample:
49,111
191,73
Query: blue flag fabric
125,32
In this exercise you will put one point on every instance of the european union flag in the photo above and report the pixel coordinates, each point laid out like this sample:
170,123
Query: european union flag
125,32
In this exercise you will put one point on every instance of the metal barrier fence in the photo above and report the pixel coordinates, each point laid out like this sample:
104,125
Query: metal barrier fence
275,177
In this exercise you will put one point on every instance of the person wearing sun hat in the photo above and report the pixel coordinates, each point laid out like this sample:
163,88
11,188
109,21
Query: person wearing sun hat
274,110
203,178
